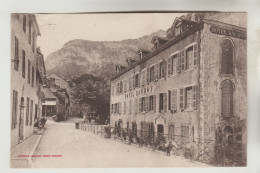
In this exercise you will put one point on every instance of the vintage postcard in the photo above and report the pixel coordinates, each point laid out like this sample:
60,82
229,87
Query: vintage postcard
109,90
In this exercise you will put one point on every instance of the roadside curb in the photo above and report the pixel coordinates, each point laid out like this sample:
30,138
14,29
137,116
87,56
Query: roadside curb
29,159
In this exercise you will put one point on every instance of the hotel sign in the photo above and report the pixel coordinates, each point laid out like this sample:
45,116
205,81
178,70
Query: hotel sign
227,32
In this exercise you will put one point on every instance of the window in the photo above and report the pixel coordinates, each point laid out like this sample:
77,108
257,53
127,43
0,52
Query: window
30,32
169,66
143,77
136,106
185,131
151,104
162,72
163,102
174,64
130,107
195,97
36,110
32,76
27,111
178,63
156,72
133,82
16,58
120,108
33,41
14,109
148,75
137,80
121,87
226,66
189,57
152,77
29,71
188,98
124,88
181,99
183,61
24,23
124,107
31,112
174,100
23,65
130,83
227,89
142,104
169,100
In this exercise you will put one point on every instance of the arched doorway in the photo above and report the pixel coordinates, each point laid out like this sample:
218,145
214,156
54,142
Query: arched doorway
225,146
21,119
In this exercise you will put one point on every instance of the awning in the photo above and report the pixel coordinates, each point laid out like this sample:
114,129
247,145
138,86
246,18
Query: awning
49,102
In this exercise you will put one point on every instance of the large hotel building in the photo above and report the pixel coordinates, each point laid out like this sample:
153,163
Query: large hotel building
193,83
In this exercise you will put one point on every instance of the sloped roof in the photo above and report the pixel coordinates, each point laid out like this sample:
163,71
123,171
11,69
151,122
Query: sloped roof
48,93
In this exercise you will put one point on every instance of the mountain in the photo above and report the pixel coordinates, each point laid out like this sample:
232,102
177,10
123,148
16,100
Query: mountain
99,58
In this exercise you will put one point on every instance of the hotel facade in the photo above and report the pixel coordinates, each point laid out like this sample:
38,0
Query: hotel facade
192,84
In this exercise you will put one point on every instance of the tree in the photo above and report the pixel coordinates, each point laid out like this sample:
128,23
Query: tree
93,91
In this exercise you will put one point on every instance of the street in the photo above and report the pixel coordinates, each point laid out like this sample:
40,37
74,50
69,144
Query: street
64,146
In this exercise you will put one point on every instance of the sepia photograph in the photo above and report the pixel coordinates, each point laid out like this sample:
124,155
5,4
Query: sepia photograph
128,90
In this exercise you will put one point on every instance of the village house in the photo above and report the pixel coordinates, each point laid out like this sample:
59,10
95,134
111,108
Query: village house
190,88
25,83
57,100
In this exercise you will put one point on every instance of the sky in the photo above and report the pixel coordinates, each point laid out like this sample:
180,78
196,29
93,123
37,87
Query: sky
57,29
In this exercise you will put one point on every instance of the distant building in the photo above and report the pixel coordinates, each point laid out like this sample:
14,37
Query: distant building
25,84
54,104
191,88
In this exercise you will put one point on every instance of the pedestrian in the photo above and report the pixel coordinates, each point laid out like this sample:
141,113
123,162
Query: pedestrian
169,148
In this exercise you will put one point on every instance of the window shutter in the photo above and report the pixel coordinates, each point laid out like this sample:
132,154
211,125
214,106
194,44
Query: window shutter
16,62
174,99
164,68
178,63
195,54
130,83
140,104
165,102
181,98
138,79
183,61
148,75
154,103
135,106
141,77
195,97
130,107
172,65
124,107
119,110
111,109
156,71
169,66
147,103
133,82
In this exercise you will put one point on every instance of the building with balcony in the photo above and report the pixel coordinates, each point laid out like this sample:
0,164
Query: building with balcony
190,88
